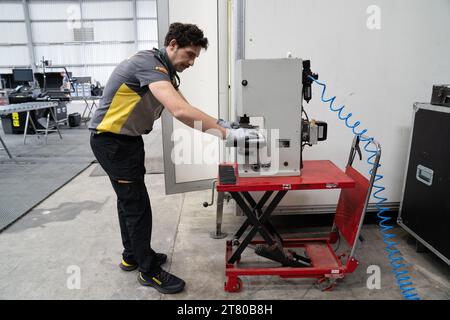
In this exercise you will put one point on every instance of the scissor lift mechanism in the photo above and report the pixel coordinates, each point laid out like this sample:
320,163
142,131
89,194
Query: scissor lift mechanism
319,259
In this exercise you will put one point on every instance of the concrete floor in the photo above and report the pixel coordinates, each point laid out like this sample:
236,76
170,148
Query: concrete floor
77,226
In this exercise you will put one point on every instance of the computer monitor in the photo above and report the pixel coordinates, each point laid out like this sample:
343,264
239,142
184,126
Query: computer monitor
23,75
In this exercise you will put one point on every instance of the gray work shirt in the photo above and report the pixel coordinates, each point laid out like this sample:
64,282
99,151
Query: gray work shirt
128,107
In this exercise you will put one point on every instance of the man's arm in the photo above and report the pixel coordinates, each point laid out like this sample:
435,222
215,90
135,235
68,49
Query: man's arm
182,95
182,110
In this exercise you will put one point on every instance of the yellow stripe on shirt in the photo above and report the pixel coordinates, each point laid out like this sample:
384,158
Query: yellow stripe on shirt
121,107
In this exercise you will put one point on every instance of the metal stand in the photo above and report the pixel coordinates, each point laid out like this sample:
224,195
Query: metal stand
218,234
5,148
46,130
89,108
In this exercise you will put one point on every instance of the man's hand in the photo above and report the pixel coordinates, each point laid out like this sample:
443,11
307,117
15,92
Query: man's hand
242,136
228,125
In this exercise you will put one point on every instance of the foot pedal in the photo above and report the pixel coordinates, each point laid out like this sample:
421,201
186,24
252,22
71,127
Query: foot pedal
277,254
226,174
297,257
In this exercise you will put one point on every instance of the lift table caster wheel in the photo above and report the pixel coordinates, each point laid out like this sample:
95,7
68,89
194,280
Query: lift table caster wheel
325,284
236,287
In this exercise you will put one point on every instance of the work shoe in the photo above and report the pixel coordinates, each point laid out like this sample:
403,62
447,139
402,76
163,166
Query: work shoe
162,281
130,265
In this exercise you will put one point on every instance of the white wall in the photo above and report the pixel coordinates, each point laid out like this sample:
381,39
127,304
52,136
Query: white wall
12,33
378,74
54,37
11,11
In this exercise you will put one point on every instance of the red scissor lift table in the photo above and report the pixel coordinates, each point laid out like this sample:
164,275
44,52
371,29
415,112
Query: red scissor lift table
321,261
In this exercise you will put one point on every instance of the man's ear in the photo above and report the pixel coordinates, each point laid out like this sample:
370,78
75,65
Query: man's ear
173,43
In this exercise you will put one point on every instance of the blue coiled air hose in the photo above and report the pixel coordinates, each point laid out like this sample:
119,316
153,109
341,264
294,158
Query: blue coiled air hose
398,264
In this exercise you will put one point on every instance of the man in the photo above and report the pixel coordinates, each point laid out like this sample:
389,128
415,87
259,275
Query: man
135,95
65,81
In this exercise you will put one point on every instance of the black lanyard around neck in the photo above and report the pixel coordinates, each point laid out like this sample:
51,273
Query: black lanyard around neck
162,57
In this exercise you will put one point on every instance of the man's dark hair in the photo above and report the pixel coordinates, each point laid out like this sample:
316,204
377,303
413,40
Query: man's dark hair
186,35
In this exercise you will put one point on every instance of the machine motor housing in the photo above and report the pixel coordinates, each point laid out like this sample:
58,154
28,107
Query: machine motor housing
269,93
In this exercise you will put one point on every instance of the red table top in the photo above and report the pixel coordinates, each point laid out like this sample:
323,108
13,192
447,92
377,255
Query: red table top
316,174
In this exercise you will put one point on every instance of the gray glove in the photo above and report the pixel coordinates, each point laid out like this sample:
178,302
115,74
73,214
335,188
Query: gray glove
240,137
228,125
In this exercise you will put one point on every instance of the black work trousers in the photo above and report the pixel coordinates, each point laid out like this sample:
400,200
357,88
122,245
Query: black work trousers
123,159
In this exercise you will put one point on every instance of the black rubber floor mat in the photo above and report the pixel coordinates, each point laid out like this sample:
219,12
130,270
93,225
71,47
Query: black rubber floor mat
40,169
